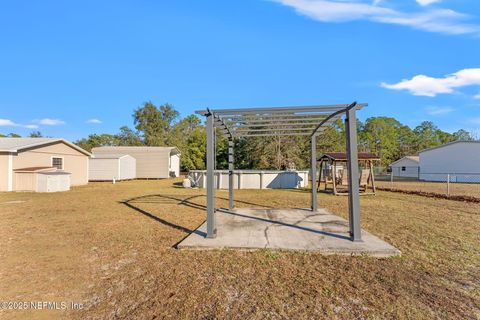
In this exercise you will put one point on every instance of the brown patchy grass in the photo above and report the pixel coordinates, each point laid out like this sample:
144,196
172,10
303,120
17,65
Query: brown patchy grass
456,189
87,245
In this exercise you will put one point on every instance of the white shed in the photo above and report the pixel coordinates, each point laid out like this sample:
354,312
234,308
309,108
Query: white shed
152,162
42,179
460,160
56,181
108,167
408,167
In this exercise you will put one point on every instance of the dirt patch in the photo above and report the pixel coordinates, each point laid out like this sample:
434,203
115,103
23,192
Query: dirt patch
434,195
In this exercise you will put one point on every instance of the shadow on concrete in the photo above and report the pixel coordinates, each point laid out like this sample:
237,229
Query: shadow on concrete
296,226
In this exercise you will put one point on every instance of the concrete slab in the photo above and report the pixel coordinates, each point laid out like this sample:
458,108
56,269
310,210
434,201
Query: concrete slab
286,229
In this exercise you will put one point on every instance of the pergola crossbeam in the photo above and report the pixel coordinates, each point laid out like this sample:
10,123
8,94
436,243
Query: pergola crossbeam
275,120
294,124
273,134
275,117
271,110
274,130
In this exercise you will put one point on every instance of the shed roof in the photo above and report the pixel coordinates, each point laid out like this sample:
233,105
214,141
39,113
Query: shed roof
451,143
110,156
413,158
342,156
126,149
55,173
35,169
19,144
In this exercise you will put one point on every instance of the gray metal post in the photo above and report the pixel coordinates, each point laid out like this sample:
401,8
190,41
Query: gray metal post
313,165
230,173
211,223
353,175
448,185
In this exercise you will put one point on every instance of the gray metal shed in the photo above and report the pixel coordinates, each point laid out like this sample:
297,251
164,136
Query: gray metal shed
108,167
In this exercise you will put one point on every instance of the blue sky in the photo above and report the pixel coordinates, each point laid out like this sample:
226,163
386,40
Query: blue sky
63,63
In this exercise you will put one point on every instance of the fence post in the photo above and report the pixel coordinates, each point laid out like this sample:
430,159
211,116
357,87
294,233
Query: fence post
391,179
448,185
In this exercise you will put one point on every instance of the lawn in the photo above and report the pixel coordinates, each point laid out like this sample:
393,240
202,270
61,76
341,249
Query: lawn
456,189
111,247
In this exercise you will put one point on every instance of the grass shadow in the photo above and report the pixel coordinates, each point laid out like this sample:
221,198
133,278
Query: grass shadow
133,203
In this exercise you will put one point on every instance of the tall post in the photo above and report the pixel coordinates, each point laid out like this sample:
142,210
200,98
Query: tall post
353,176
211,223
313,165
230,173
448,185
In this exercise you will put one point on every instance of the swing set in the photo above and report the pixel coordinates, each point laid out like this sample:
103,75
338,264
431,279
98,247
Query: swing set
334,173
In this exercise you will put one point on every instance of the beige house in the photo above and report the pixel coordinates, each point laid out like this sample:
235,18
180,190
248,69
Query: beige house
152,162
23,160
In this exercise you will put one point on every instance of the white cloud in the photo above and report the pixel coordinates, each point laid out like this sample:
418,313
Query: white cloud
422,85
439,20
7,123
477,96
439,111
427,2
10,123
50,122
94,121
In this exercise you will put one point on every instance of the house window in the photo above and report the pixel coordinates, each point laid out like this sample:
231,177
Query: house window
57,163
404,169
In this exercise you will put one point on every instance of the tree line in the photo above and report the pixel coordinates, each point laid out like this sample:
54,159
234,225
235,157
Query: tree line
162,126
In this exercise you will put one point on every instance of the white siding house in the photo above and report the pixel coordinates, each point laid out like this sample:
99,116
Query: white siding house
460,160
106,167
407,167
152,162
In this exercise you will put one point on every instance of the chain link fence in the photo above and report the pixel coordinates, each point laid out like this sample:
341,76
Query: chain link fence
411,179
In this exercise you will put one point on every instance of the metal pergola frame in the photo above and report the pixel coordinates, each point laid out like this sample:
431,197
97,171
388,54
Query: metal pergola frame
282,121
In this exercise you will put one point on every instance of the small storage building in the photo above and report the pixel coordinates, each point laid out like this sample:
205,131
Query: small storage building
106,167
151,162
408,167
17,154
42,179
459,160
